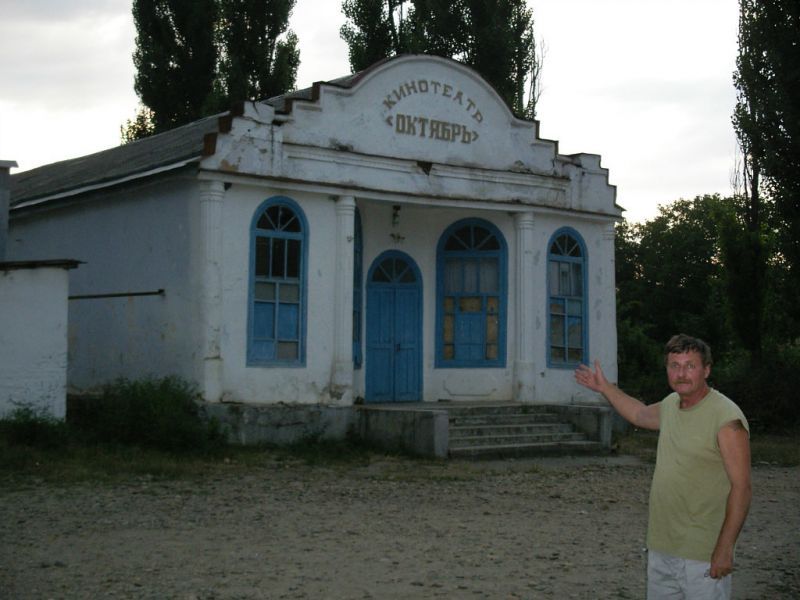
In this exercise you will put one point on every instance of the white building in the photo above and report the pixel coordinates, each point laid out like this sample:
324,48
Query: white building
33,326
396,235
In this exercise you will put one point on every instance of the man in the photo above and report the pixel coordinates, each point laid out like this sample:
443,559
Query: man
701,489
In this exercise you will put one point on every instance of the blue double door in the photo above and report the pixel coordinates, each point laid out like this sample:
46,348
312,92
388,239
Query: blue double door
394,330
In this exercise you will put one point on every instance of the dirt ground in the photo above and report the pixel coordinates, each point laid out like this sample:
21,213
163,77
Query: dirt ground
392,528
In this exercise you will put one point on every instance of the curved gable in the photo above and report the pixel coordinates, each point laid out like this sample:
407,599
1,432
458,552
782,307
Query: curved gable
419,107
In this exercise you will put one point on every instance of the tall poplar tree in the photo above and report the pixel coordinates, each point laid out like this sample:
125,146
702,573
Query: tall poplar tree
195,57
495,37
767,119
370,33
255,62
767,124
175,58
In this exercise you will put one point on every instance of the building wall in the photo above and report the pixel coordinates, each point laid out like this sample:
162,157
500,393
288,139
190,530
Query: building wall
133,240
271,384
421,227
188,233
557,385
33,340
417,233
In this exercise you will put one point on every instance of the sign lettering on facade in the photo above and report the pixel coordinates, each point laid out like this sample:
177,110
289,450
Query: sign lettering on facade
425,126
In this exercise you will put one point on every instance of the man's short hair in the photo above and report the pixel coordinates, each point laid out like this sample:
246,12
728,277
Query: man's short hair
681,343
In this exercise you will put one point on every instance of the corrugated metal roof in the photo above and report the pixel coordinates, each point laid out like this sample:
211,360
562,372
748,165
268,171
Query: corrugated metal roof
283,102
173,146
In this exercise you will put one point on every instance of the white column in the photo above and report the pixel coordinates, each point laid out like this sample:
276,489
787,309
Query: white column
211,299
608,324
5,200
524,340
342,373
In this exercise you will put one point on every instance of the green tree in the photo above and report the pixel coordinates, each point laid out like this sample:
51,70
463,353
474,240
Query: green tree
767,125
370,33
678,272
196,57
259,54
670,279
742,251
495,37
175,58
139,127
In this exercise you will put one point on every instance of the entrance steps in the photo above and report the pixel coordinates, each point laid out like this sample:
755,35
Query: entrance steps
499,430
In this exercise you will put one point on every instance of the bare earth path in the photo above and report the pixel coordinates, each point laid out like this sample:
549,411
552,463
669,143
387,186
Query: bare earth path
393,528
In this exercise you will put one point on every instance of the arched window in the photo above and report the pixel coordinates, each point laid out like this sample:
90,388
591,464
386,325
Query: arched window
566,286
471,296
278,249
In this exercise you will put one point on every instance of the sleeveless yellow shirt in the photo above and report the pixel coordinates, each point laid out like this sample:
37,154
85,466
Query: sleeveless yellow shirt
690,486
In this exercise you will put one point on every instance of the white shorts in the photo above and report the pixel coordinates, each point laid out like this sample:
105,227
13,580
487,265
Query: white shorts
671,578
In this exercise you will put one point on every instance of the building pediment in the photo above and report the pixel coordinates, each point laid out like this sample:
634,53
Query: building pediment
417,125
422,108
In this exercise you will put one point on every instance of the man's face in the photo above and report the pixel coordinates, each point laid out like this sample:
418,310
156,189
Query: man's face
686,373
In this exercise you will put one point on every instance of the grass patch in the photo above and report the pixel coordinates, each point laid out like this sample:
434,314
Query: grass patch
100,464
637,442
773,449
149,428
316,452
780,450
161,414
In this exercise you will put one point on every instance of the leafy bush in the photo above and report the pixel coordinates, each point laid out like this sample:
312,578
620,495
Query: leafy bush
766,393
29,426
161,414
641,363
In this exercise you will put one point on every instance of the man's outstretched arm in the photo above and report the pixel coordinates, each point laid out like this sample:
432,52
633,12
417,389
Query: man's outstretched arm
645,416
734,446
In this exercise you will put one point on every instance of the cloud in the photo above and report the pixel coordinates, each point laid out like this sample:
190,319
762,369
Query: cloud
61,63
33,12
645,84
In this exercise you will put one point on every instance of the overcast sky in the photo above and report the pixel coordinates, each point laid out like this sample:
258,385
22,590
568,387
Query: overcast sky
644,83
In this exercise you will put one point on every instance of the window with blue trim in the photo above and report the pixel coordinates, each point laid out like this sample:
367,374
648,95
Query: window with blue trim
471,296
277,294
567,299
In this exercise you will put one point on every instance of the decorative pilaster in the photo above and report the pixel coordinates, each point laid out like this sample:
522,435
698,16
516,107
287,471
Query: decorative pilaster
211,309
342,373
524,388
5,200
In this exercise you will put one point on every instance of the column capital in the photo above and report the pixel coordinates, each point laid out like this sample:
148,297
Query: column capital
524,220
213,190
345,204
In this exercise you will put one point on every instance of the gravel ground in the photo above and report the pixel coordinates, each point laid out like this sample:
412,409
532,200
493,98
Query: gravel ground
389,528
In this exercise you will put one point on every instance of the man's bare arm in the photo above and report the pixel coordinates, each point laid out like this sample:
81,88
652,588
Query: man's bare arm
646,416
734,446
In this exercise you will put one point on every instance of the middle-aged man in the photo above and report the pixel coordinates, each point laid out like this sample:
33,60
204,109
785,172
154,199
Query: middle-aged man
701,488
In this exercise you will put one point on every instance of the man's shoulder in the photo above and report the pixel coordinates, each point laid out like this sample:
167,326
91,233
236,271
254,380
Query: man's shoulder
726,408
721,399
670,401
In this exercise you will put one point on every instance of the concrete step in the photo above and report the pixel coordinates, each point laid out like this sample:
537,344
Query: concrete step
516,438
478,429
521,450
465,409
509,419
504,419
492,430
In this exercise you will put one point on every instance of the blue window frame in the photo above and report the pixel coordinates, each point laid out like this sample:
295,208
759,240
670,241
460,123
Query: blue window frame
471,296
277,304
567,302
358,291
